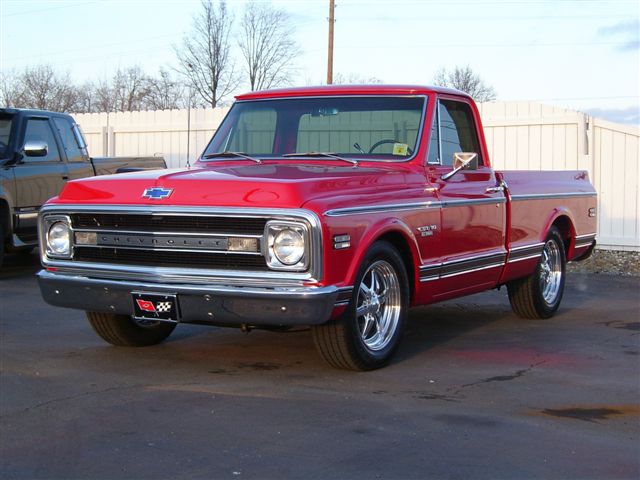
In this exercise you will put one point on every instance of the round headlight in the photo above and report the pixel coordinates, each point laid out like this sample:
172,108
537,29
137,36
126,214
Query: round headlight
288,246
58,239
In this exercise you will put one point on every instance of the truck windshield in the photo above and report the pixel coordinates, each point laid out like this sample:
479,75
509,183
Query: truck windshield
372,128
5,133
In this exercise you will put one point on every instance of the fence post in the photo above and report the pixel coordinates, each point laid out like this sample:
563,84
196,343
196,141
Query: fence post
111,142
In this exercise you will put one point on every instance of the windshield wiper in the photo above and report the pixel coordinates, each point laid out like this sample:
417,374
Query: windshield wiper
228,154
321,154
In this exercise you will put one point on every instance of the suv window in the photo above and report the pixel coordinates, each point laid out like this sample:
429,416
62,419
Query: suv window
39,130
69,141
457,131
5,133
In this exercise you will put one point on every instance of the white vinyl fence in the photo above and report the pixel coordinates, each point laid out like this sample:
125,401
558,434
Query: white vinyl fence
520,136
532,136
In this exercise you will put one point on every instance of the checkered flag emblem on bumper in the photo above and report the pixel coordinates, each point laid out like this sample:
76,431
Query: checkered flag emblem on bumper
163,307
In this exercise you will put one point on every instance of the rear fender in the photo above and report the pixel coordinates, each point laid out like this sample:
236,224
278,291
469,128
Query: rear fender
563,219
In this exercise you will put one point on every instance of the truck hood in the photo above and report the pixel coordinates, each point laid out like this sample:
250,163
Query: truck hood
273,185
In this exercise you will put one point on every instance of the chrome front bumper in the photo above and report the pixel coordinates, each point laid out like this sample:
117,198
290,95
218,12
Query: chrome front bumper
215,304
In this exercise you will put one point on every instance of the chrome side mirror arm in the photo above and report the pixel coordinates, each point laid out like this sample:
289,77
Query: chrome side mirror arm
462,161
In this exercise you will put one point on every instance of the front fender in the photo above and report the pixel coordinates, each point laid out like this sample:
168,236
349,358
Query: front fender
389,227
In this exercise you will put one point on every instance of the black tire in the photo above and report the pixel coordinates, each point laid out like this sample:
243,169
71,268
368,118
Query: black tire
124,331
350,341
539,295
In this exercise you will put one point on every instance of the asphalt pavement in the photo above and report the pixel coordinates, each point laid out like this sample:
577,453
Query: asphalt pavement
474,393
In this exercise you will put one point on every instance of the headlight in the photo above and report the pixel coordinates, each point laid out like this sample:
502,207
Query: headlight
58,237
287,246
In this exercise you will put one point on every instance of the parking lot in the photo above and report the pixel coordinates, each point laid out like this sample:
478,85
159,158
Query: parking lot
475,392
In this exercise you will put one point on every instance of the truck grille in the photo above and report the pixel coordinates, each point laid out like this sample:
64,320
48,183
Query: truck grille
158,258
169,223
169,240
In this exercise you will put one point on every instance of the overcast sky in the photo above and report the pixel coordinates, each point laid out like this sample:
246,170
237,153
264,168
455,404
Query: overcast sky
580,54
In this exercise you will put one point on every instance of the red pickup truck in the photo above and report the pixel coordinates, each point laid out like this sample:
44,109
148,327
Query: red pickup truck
334,207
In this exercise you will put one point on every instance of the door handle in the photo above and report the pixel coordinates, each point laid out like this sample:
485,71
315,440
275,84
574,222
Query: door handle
499,188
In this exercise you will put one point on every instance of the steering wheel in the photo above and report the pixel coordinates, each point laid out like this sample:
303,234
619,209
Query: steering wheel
385,141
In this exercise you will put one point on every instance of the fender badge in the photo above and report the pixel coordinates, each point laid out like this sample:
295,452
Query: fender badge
157,193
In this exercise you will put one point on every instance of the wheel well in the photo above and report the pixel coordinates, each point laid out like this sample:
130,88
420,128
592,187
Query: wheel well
400,243
564,225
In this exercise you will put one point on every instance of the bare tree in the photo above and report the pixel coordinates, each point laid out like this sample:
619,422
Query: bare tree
11,89
85,99
103,96
164,92
130,87
204,57
267,45
465,80
39,87
354,79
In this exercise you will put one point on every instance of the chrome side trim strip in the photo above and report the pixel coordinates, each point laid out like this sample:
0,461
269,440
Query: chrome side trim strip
396,207
544,196
525,247
452,268
585,240
520,259
400,207
486,267
525,252
586,236
480,201
584,244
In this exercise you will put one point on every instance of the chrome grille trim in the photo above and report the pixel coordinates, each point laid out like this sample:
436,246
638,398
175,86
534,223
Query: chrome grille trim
149,272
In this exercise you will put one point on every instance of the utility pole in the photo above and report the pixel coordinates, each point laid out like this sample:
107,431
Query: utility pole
330,56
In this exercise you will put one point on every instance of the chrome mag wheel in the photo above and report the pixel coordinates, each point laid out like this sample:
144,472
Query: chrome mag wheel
551,272
378,306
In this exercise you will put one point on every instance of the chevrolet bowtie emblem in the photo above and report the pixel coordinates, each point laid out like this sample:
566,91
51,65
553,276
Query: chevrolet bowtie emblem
157,193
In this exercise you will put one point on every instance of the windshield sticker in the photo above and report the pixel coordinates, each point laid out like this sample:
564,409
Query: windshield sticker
400,149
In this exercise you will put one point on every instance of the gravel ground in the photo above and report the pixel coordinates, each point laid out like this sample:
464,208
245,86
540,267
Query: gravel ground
609,261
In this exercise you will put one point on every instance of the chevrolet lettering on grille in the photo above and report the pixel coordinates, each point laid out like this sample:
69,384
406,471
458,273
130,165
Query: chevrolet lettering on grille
162,241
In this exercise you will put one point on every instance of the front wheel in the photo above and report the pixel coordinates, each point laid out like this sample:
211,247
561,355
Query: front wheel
125,331
539,295
369,332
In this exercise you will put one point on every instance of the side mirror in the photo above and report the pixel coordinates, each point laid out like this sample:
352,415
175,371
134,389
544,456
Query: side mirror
35,148
462,161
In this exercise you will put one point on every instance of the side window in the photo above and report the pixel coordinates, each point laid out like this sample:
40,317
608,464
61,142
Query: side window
38,130
457,130
69,141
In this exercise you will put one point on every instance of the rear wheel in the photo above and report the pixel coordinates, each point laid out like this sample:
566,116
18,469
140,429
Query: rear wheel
125,331
369,332
539,295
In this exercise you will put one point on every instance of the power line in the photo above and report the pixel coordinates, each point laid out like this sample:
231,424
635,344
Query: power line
46,9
